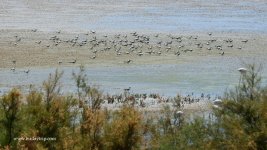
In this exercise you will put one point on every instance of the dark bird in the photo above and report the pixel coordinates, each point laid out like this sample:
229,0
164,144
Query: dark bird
177,53
127,89
27,71
73,62
128,61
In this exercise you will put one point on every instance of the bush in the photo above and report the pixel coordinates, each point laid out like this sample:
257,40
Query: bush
10,117
125,130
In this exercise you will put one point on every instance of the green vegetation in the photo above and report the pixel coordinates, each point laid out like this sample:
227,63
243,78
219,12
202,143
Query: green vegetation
77,121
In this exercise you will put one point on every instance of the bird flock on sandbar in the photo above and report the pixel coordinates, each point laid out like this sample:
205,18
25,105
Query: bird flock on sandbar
132,44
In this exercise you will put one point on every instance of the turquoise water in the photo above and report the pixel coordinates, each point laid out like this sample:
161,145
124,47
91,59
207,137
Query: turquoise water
210,76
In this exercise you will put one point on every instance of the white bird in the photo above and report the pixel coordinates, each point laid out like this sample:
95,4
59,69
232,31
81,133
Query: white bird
242,70
178,114
92,31
217,102
140,54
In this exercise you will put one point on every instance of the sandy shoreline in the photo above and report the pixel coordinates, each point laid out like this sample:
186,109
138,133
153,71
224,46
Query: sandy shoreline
36,49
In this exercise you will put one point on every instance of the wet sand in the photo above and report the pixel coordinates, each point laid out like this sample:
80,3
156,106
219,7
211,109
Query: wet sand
36,49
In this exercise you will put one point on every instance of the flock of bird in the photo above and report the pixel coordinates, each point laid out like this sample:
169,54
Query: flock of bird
133,44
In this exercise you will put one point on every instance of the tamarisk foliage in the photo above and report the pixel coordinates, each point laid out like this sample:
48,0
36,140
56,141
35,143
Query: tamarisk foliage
80,122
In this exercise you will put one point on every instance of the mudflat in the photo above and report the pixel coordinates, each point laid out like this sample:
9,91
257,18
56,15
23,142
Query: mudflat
46,49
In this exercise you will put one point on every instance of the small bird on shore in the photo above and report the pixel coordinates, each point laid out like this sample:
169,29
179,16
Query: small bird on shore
244,41
38,42
128,61
27,71
177,53
140,54
149,52
73,62
60,62
13,69
92,31
127,89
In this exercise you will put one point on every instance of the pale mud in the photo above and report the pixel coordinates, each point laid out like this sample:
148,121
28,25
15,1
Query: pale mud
28,53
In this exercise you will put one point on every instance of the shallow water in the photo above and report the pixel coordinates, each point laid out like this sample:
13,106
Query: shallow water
210,76
173,19
156,16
